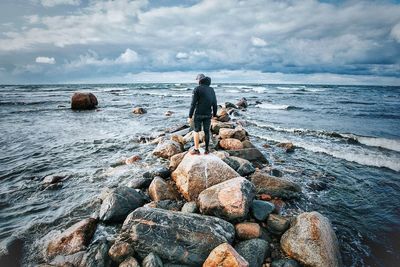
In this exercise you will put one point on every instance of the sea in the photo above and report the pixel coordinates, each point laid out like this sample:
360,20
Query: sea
347,155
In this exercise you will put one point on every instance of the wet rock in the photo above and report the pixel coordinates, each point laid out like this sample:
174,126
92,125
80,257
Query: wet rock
96,256
172,205
285,263
274,186
276,172
163,172
312,241
120,250
73,239
161,190
12,253
179,139
230,144
139,111
168,113
251,154
217,125
52,179
175,160
190,207
178,237
130,262
222,115
237,133
261,209
242,103
248,144
279,205
248,230
288,147
132,159
167,149
140,182
83,101
73,260
230,105
277,224
254,251
198,172
152,260
225,255
229,200
242,166
119,202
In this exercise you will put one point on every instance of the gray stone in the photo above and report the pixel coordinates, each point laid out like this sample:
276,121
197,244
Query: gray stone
190,207
174,205
152,260
130,262
120,250
261,209
251,154
254,251
277,224
96,256
285,263
140,182
167,149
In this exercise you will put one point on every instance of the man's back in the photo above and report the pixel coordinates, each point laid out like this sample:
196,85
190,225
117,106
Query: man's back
203,100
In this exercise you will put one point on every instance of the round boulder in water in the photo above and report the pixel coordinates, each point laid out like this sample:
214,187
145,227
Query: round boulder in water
83,101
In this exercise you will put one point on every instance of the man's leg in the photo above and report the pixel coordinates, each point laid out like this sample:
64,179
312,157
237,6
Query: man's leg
206,127
196,140
196,130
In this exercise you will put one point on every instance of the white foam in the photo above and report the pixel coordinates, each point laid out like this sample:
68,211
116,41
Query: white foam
390,144
232,91
272,106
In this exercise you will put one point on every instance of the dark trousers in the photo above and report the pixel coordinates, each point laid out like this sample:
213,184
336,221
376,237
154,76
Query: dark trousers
205,122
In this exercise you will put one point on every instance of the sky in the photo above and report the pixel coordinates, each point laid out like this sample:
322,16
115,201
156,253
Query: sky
255,41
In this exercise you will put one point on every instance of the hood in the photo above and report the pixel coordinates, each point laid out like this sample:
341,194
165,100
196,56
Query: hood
206,81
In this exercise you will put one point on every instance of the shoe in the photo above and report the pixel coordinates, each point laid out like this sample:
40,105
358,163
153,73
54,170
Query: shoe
206,152
195,152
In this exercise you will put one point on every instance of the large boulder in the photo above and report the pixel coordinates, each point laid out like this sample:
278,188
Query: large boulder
217,125
312,241
274,186
198,172
251,154
237,133
176,237
229,200
254,251
72,240
225,256
167,149
175,160
119,202
161,190
82,101
230,144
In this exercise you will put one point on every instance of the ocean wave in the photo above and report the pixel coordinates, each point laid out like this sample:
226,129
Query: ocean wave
355,102
390,144
275,106
165,94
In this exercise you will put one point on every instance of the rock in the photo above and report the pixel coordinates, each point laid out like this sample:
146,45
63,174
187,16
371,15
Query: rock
279,205
230,105
152,260
68,260
266,145
198,172
229,200
167,149
96,256
274,186
178,237
52,179
119,203
230,144
163,172
120,250
139,111
169,113
132,159
161,190
312,241
248,144
222,115
12,252
277,224
254,251
179,139
225,255
242,166
261,209
217,125
73,239
242,103
285,263
175,160
248,230
130,262
251,154
276,172
265,197
166,205
237,133
288,147
190,207
83,101
140,182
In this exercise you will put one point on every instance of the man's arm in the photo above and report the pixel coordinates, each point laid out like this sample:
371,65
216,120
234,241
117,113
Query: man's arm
195,98
214,104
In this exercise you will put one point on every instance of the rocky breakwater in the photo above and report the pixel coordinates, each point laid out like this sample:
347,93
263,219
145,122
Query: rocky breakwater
220,209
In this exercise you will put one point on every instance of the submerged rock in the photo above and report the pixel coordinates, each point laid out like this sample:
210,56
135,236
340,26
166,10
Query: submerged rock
254,251
119,202
242,103
225,256
139,110
72,240
229,200
312,241
288,147
274,186
177,237
198,172
230,144
167,149
161,190
83,101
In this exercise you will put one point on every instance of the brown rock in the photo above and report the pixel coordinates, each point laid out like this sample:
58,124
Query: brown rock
230,144
82,101
251,154
247,230
265,197
222,115
120,251
161,190
248,144
217,125
279,205
312,241
132,159
130,262
242,103
277,224
178,138
139,110
288,147
73,239
237,133
266,145
225,256
167,149
198,172
175,160
229,200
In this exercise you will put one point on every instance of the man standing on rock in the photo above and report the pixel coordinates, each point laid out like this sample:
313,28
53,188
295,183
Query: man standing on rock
204,104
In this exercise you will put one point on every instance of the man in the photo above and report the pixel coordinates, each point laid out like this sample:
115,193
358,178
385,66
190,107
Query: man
203,101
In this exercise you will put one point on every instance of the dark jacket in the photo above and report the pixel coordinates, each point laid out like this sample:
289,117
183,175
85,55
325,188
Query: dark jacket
203,100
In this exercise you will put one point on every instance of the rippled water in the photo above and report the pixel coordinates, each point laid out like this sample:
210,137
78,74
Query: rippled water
348,159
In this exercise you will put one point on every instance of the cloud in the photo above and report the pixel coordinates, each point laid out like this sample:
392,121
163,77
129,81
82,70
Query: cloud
52,3
395,32
129,56
258,41
45,60
182,55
